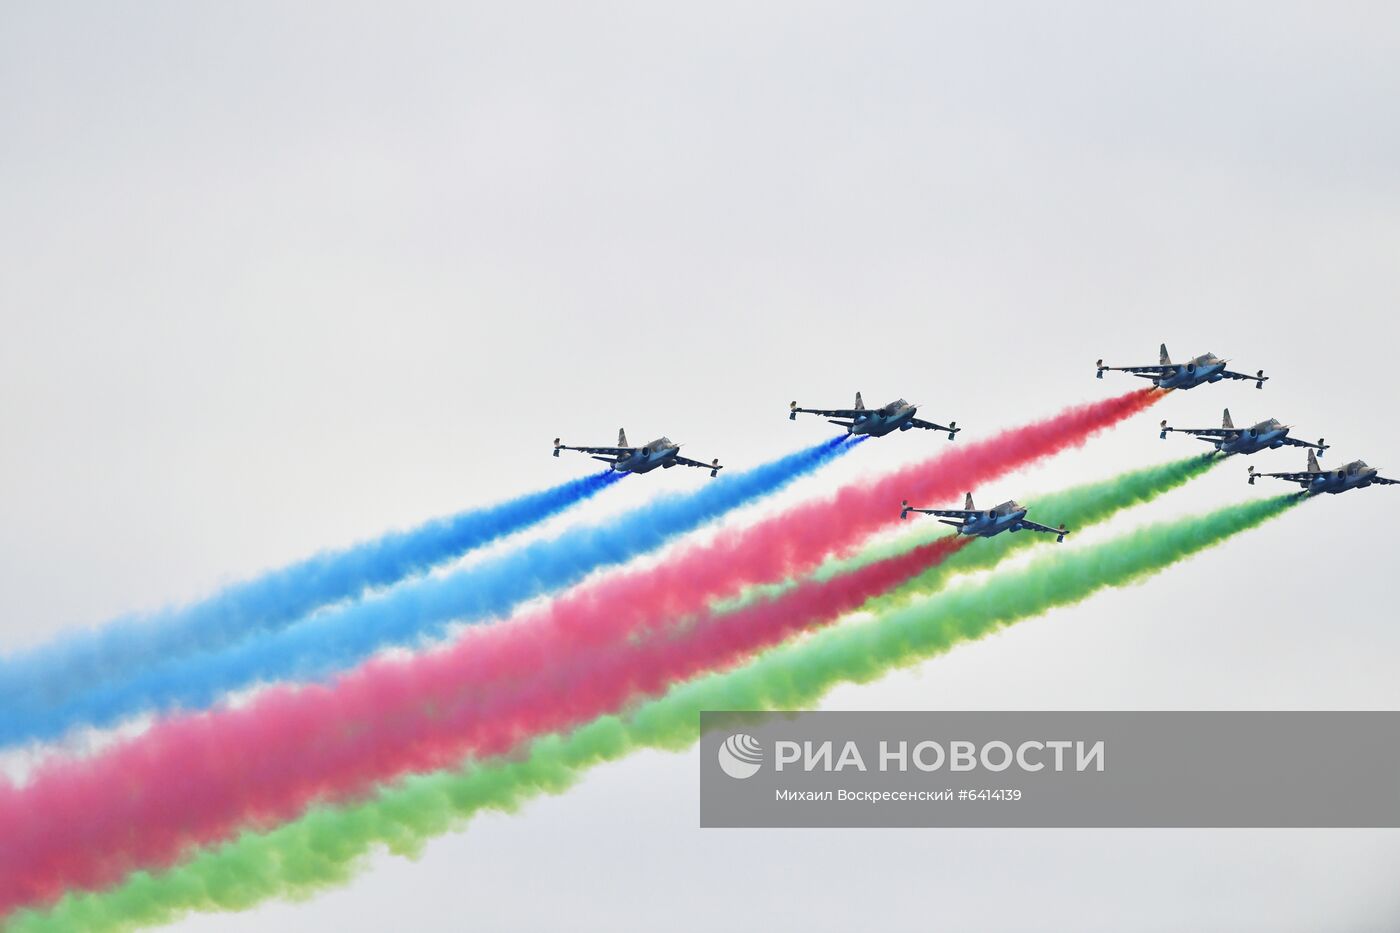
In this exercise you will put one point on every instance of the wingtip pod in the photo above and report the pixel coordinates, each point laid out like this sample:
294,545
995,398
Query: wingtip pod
792,410
1252,476
1165,429
1060,538
715,467
557,444
1100,367
1260,379
904,509
953,430
1321,446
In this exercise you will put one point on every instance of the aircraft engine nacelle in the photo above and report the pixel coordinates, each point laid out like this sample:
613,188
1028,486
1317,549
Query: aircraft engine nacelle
1341,475
1189,369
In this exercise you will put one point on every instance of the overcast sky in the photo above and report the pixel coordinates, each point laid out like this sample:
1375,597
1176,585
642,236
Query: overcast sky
276,279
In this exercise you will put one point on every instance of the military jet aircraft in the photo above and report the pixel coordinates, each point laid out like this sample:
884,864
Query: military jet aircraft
1169,375
875,422
662,452
1229,439
1009,516
1354,475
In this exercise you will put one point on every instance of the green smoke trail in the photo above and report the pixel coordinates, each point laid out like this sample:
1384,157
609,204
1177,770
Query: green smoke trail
1078,507
326,847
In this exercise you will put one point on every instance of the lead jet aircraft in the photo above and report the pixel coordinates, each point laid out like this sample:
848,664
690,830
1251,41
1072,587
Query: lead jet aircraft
1354,475
1229,439
875,422
1169,375
1009,516
662,452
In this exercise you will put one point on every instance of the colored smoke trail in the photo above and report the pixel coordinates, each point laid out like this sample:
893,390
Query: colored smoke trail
52,673
339,638
335,639
788,543
808,533
1078,507
573,643
88,823
325,847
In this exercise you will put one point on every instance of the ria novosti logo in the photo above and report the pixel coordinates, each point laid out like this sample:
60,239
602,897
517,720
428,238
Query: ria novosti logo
741,755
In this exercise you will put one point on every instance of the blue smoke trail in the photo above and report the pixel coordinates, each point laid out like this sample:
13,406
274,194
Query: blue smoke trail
337,638
51,674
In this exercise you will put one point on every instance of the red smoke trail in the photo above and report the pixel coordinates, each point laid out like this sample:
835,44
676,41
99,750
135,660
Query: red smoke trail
119,817
197,779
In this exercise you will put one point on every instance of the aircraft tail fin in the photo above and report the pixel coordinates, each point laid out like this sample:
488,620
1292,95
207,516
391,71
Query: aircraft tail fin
1165,359
622,438
1226,422
860,403
967,503
1313,466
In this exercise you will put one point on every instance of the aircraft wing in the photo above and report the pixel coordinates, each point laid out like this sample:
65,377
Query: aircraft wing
608,451
1286,477
1386,482
944,513
833,412
1147,371
1258,378
1059,533
1319,446
714,467
1037,526
1208,433
930,426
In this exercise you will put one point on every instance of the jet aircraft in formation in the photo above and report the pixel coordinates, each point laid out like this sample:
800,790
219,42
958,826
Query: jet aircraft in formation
1315,480
1203,369
969,520
662,452
1229,439
898,415
1272,433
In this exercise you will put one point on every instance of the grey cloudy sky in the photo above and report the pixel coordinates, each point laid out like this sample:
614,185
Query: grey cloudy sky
280,278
